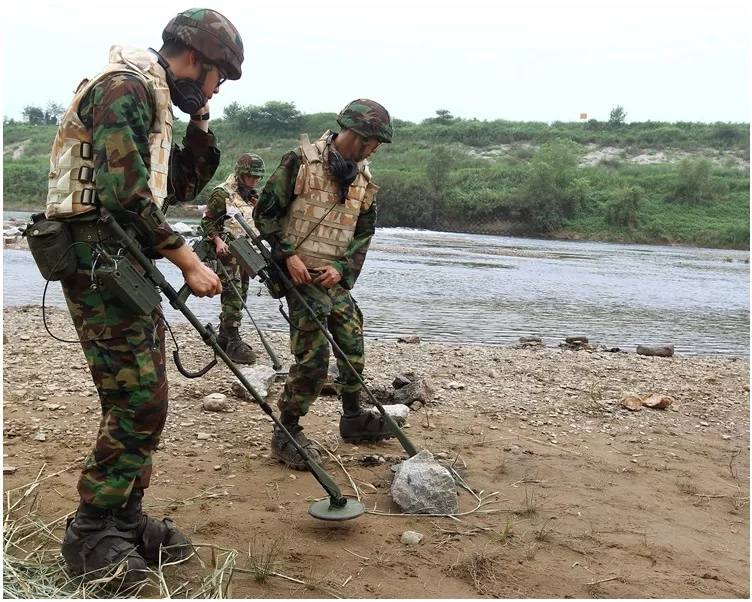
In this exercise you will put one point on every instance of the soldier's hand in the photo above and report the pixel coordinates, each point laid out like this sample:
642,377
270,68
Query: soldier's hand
298,270
202,281
328,277
222,249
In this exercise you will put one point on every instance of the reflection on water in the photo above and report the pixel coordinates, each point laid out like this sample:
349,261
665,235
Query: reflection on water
492,289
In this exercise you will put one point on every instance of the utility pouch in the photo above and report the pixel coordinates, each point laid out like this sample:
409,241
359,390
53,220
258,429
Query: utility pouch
133,289
253,263
51,245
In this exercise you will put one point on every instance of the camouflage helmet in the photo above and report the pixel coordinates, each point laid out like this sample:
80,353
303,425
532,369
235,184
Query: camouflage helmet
211,34
249,165
368,118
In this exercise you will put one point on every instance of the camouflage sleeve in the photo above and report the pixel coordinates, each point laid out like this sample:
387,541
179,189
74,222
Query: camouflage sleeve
119,114
194,165
355,256
216,207
276,196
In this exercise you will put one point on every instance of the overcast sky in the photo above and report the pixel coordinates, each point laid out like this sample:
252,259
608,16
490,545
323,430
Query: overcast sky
521,60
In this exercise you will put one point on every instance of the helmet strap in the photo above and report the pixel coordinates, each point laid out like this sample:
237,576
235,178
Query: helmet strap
186,94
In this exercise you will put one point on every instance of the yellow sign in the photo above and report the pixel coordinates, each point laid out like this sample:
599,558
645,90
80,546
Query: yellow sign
583,115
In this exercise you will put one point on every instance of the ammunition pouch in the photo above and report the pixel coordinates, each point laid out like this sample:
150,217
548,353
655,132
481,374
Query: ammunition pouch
51,244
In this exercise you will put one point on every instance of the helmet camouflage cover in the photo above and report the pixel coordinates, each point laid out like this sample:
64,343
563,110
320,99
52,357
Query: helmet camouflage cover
249,165
368,118
211,34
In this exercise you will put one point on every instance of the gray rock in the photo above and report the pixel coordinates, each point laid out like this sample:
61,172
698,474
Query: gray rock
423,486
398,412
656,350
215,402
409,338
411,538
577,338
261,378
531,339
403,379
384,395
420,390
203,436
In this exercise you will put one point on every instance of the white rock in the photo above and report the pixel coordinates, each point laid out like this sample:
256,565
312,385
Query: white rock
182,228
203,436
398,412
259,376
411,538
215,402
40,437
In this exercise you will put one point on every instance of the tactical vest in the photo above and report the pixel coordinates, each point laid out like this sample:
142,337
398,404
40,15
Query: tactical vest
72,187
235,204
320,227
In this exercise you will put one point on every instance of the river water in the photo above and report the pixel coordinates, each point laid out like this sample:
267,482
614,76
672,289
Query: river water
475,289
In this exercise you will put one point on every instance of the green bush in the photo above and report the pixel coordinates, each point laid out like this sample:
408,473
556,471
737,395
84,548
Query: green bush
692,182
624,207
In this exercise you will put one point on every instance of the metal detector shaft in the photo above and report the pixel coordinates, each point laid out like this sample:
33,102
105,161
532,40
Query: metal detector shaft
272,356
407,445
153,273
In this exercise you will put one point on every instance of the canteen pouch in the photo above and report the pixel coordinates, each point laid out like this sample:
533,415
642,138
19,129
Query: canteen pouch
51,245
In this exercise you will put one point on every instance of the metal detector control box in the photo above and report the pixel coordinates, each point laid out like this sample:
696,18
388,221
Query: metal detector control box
252,262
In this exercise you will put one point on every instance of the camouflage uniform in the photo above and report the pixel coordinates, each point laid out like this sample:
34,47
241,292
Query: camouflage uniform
126,359
226,200
335,306
344,319
212,225
125,351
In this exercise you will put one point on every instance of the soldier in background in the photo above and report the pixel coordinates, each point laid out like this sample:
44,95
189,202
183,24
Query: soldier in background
114,153
237,194
318,210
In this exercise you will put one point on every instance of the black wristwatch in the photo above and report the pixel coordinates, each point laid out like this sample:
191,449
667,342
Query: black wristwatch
204,117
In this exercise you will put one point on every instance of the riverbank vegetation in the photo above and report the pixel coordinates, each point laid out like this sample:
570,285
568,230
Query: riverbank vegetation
648,182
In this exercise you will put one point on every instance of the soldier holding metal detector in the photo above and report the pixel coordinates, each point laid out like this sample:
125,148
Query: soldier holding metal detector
113,162
236,194
318,211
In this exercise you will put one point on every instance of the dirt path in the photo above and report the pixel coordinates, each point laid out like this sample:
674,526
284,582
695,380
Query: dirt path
593,500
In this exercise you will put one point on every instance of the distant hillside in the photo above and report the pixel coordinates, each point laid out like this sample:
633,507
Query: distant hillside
652,182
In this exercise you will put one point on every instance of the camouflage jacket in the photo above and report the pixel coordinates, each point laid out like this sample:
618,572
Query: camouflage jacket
216,207
273,204
119,112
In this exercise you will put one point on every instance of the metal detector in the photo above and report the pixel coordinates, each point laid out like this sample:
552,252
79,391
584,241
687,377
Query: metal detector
259,266
338,507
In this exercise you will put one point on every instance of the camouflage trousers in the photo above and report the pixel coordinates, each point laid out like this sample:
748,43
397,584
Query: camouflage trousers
126,358
339,312
232,308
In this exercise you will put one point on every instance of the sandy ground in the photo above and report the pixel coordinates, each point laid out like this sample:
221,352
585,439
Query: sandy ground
593,500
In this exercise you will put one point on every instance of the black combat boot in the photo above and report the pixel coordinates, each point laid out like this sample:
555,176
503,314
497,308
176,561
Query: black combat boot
237,350
94,547
358,425
284,450
151,534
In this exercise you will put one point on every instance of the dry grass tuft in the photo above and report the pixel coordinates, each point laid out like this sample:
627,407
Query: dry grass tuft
480,567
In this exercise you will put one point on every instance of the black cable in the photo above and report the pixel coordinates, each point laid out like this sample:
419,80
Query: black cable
44,296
